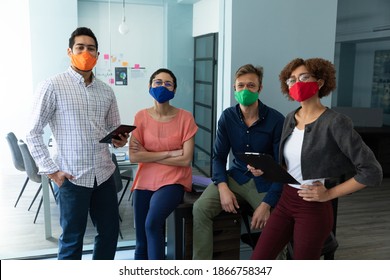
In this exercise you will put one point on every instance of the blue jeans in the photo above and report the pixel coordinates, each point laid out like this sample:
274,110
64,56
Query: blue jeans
102,204
151,209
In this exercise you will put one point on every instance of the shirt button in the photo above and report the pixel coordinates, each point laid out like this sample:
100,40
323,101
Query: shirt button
247,145
247,131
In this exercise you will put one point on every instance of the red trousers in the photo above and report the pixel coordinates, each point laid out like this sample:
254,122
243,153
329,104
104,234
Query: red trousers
308,224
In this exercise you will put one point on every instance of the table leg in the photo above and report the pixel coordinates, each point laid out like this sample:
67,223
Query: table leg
46,207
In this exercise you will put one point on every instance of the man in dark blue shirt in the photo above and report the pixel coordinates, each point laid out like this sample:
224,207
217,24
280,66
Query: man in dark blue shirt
249,126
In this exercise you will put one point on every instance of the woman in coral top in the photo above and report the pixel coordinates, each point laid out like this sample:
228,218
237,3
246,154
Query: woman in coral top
163,145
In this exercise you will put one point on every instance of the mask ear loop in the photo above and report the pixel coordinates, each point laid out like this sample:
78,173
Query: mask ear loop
320,83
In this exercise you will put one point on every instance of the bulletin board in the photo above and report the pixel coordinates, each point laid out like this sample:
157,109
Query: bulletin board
122,73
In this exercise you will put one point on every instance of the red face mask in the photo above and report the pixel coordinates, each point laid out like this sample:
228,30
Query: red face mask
84,61
302,91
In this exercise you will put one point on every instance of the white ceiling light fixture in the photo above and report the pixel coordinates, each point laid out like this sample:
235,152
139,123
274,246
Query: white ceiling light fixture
123,28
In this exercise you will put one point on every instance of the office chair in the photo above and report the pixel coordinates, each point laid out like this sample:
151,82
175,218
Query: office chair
32,173
117,174
119,185
17,160
126,175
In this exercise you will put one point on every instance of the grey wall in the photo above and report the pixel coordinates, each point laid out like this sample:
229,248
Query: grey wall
271,33
180,52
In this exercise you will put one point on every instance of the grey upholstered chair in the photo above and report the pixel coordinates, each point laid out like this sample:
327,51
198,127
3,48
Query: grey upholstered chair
118,184
32,173
17,160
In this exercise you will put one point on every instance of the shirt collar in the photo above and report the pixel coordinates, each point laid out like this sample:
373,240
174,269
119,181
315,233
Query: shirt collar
78,77
263,109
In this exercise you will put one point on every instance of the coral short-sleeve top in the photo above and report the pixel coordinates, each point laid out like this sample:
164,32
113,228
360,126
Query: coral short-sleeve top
156,136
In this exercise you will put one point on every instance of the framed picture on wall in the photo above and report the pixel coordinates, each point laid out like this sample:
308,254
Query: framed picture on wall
380,94
121,76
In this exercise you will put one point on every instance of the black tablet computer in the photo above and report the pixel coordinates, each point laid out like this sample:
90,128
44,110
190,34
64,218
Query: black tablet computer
122,129
272,170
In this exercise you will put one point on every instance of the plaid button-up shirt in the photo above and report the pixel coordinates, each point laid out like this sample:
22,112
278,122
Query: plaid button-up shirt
79,116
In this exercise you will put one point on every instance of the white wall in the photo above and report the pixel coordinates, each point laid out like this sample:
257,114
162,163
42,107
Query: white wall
143,45
50,32
159,36
15,76
35,48
15,70
206,17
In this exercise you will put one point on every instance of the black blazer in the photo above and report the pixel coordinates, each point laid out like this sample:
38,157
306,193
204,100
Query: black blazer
332,148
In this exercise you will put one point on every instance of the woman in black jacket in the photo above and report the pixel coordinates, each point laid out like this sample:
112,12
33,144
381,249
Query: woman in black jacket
317,144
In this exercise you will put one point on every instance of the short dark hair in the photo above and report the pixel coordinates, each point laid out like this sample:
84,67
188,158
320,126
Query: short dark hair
79,32
250,69
320,68
163,70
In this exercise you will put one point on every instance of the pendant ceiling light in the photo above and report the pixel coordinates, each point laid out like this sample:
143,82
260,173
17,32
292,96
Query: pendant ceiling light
123,28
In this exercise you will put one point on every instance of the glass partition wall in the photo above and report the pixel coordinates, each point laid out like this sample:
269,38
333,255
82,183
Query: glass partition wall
205,69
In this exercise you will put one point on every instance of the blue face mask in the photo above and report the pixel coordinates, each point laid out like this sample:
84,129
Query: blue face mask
161,94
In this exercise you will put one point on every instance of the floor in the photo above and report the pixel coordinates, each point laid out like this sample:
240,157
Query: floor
363,228
21,238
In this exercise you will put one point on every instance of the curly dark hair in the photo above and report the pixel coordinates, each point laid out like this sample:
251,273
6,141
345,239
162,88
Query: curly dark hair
318,67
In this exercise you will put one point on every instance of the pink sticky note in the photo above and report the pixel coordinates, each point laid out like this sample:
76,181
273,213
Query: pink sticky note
111,81
106,56
136,66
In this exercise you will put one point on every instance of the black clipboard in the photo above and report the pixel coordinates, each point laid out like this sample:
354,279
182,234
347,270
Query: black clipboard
272,170
122,129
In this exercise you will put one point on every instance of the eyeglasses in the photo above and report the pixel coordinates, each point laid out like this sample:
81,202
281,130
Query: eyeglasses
250,86
159,83
304,77
82,47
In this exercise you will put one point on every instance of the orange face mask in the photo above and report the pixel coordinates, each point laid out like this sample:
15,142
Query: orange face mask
83,61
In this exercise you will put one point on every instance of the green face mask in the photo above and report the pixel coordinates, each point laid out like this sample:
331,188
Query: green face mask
246,97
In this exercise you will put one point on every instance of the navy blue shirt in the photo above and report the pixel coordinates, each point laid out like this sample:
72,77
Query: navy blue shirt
261,137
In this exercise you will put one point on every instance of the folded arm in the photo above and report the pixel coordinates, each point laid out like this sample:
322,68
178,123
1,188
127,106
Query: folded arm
180,157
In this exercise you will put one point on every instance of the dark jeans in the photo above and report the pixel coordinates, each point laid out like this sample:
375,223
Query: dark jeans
102,204
151,209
